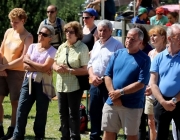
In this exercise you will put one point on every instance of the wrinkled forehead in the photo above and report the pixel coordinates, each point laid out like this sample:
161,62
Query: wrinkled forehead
133,34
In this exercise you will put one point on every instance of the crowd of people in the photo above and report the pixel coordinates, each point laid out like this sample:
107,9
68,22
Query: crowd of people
128,83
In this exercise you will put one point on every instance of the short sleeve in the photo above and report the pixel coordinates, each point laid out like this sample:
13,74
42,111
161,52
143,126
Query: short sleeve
144,74
52,52
155,65
30,49
109,68
84,56
58,53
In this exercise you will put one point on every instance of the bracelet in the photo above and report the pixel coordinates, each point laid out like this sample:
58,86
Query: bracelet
70,70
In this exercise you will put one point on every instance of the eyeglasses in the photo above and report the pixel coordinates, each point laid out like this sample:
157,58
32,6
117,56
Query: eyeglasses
86,17
50,12
44,34
70,32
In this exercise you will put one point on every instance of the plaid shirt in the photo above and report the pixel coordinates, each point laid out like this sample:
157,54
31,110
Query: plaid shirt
78,56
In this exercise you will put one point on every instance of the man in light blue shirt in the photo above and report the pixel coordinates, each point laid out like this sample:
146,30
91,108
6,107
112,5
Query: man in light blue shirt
164,81
100,55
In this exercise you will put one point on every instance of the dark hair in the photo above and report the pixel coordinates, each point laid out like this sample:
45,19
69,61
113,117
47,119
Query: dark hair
143,29
174,14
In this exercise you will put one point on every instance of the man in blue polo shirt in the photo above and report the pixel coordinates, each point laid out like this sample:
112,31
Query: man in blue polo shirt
165,84
126,76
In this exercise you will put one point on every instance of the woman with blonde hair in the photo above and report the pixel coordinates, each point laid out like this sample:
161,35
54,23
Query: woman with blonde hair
72,53
158,39
13,48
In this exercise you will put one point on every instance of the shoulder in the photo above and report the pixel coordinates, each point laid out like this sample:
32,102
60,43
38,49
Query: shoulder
82,46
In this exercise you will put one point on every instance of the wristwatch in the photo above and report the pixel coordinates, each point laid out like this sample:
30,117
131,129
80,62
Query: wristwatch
121,91
174,99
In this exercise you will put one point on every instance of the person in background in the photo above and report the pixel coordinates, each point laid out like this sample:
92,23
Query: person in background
124,106
172,18
158,39
37,85
67,86
100,55
109,8
159,18
13,48
164,82
89,29
148,4
146,48
141,17
56,22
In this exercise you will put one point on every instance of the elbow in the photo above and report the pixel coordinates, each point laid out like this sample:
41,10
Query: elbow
45,69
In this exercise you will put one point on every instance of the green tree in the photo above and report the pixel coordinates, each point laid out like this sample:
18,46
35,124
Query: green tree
35,10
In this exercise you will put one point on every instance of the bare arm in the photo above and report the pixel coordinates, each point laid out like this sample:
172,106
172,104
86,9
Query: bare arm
45,67
95,2
138,2
108,83
134,87
168,105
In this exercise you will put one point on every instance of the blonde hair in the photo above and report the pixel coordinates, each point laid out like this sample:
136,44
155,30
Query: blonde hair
18,13
76,27
159,30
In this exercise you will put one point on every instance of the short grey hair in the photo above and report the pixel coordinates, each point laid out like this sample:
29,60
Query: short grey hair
172,28
139,31
106,23
50,29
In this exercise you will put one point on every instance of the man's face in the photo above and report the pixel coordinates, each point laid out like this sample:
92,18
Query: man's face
104,33
175,39
132,41
51,12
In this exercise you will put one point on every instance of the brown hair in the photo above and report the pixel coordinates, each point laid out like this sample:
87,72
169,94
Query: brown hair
174,15
18,13
160,30
77,28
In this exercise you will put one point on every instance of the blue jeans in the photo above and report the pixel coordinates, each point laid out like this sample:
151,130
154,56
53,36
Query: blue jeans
98,96
69,104
25,104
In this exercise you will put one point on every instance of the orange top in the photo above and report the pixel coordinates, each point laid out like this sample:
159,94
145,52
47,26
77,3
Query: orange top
13,48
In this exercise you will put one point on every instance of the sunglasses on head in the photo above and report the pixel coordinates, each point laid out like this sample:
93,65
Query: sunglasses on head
50,12
44,34
86,17
70,32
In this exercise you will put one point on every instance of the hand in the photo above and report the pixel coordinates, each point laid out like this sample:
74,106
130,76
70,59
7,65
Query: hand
117,102
3,73
148,91
90,5
2,67
49,72
95,80
59,69
114,94
26,59
168,105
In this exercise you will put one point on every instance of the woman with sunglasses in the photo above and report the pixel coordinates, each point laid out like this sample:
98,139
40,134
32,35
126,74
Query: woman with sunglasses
69,93
13,48
37,85
159,18
89,29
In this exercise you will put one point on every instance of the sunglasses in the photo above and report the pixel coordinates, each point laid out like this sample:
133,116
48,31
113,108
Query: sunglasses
160,13
50,12
44,34
86,17
70,32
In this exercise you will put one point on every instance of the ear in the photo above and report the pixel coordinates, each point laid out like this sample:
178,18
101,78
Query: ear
169,39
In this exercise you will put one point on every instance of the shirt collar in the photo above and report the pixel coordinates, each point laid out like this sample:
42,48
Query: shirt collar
106,41
167,53
75,44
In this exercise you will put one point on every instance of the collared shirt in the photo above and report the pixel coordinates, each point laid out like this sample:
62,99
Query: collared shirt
168,69
162,21
101,54
78,56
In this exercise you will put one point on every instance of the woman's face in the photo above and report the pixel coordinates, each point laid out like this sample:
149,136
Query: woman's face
70,35
16,23
171,19
44,36
156,39
87,19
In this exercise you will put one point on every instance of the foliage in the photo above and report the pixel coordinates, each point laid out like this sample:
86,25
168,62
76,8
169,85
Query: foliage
34,9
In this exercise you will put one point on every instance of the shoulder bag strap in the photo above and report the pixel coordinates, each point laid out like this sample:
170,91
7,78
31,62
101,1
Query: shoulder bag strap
67,54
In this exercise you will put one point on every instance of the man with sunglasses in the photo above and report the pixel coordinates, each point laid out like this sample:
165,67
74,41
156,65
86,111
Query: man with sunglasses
57,23
159,18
